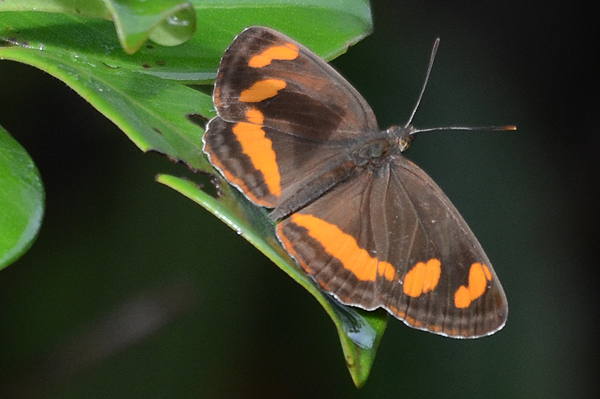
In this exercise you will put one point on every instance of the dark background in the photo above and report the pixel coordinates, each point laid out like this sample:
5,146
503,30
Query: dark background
131,290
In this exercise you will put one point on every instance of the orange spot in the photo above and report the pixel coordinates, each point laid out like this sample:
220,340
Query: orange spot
259,149
217,97
479,275
488,273
255,116
453,331
435,328
287,52
462,297
422,278
344,247
389,273
262,90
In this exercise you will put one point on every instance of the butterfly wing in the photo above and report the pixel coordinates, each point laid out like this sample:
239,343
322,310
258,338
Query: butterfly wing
390,238
285,117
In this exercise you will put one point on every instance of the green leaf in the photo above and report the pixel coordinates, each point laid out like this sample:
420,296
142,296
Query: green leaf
21,200
359,331
86,56
147,95
167,22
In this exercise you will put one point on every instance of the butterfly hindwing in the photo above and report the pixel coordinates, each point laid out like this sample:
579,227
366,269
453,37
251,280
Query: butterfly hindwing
375,241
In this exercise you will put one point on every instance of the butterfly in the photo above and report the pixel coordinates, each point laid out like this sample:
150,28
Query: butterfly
368,225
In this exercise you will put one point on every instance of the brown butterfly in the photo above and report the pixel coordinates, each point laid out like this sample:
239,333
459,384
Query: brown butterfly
366,223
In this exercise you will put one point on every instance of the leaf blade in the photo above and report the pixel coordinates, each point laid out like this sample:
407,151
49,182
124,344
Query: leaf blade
21,200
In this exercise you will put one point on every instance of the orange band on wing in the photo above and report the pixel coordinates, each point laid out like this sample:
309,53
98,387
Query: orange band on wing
262,90
259,149
422,278
287,52
479,275
344,248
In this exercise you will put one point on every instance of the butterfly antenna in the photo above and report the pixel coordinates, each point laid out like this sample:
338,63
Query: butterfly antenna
413,130
429,68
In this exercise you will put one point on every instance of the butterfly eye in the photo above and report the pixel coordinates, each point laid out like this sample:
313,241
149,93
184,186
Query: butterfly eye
404,142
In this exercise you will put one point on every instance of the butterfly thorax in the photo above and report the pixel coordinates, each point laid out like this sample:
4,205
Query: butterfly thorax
372,152
377,150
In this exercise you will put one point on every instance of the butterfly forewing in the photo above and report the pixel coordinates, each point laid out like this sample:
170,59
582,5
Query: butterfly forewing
283,114
298,92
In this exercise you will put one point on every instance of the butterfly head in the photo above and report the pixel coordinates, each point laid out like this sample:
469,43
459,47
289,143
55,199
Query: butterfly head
402,135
